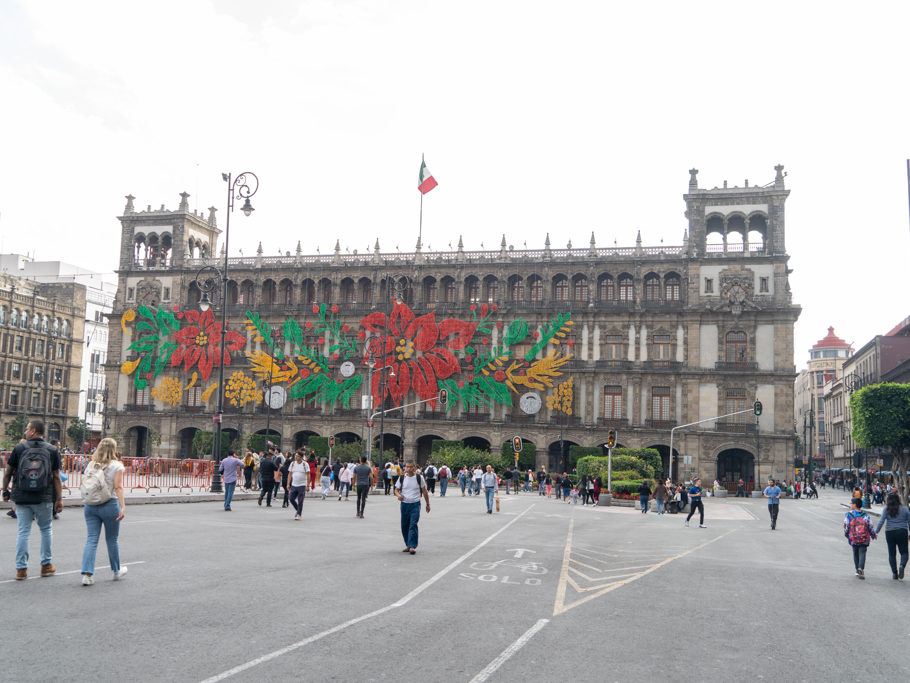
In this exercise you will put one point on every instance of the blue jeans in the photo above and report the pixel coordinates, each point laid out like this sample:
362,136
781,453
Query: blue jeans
443,485
344,489
43,514
489,492
410,515
464,484
660,505
229,493
95,516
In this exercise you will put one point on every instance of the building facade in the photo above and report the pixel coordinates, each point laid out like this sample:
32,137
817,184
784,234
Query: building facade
41,328
553,345
99,298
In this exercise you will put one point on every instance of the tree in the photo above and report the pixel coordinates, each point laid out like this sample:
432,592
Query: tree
881,417
78,431
14,430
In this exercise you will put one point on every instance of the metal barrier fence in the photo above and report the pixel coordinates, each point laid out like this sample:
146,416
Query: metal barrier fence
162,474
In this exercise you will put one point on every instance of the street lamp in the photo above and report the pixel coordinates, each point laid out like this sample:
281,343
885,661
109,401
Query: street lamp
395,289
242,187
371,364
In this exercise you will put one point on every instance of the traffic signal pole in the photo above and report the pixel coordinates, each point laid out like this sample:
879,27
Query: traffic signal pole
709,419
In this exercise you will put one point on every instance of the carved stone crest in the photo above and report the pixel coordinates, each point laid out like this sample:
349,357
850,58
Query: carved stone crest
148,293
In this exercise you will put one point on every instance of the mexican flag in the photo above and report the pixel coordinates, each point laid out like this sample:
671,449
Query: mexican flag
425,181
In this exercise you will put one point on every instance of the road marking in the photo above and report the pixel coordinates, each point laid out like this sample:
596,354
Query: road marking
509,651
356,620
560,606
74,571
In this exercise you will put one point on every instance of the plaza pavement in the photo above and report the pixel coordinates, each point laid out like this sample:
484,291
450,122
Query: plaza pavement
540,591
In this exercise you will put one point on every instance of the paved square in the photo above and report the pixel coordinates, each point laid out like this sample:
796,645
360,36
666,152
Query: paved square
539,591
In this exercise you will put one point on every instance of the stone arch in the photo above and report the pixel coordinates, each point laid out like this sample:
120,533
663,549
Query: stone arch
135,441
516,288
666,464
233,293
348,291
324,291
365,290
579,292
346,437
478,442
425,446
308,291
185,443
448,290
429,290
286,292
560,287
490,289
302,438
558,455
735,463
651,287
269,292
247,293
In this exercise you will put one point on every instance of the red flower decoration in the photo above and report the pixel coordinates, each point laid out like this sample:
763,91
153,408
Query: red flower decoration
334,309
199,343
461,385
418,349
499,375
362,334
473,307
309,325
483,310
176,308
304,373
345,328
322,340
499,324
335,356
315,308
495,308
485,340
536,334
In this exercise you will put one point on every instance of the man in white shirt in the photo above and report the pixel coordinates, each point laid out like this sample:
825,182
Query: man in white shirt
299,471
408,490
476,475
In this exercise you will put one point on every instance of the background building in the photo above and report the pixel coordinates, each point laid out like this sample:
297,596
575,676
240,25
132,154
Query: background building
99,298
555,345
41,327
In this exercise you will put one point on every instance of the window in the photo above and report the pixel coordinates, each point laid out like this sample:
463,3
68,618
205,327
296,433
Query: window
614,348
561,289
672,288
492,287
763,285
167,294
709,285
58,376
536,289
16,371
194,397
449,292
660,403
580,290
517,290
472,289
430,291
61,350
36,373
142,397
19,343
13,397
652,288
625,288
736,347
36,399
736,401
55,402
130,293
612,402
99,316
39,347
660,347
605,289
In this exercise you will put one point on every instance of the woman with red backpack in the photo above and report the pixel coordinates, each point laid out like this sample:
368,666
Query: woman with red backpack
859,533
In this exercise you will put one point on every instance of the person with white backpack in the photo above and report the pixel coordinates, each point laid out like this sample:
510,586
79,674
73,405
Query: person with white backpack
102,496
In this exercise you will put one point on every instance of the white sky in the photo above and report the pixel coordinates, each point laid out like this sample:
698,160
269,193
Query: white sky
561,117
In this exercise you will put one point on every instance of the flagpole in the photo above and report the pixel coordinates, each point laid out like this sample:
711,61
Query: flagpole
420,228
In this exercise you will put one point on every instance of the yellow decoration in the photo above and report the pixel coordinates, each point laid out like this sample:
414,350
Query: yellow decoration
127,317
129,367
539,375
241,389
192,381
264,367
168,391
208,392
560,400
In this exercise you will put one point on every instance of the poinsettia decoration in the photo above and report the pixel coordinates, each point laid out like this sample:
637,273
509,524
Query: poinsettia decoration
199,343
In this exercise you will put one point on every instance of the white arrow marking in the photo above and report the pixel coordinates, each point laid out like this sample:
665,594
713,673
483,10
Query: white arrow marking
519,552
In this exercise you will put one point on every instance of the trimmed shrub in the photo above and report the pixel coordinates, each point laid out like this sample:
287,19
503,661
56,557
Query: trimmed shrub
650,455
576,453
629,487
438,444
458,456
319,445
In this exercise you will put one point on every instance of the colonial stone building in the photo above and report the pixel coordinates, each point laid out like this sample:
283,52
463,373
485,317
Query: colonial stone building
41,327
554,345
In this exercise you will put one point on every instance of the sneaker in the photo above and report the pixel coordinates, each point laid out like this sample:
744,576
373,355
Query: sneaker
894,576
88,580
860,574
48,570
297,518
21,574
11,513
900,572
119,575
702,526
687,523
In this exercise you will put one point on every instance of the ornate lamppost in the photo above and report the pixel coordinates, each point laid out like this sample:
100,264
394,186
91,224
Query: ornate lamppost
242,187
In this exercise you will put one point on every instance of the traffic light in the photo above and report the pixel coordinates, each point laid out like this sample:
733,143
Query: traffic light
857,459
443,397
611,438
331,442
756,408
516,444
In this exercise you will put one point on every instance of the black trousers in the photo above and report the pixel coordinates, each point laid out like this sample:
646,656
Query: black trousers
362,491
897,542
697,505
773,509
267,492
431,485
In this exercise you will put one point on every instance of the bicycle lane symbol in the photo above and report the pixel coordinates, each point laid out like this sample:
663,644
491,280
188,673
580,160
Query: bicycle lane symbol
514,571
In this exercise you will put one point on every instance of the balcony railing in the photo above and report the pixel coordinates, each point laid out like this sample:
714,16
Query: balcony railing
735,427
434,415
521,419
661,365
660,424
565,420
476,417
614,303
613,364
615,422
736,366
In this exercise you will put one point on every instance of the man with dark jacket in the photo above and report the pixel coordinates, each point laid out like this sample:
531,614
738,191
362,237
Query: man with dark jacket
34,468
267,469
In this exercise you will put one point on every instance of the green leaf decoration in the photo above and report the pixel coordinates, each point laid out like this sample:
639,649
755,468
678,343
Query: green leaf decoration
499,392
548,333
163,357
516,332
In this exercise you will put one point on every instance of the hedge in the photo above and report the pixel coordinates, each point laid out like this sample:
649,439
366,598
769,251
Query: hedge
458,456
621,463
629,486
526,459
576,453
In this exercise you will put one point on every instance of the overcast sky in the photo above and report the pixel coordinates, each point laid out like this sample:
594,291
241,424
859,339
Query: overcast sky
535,117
